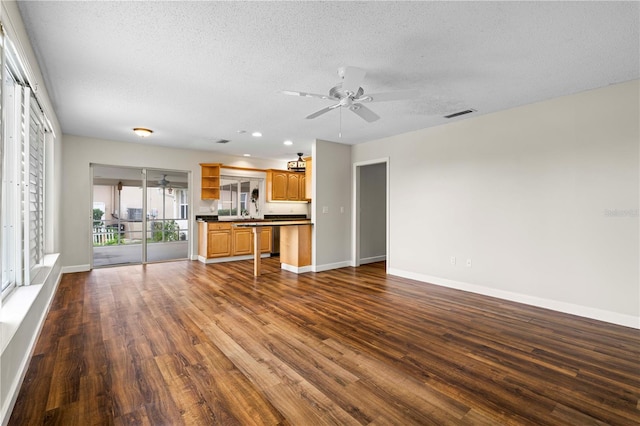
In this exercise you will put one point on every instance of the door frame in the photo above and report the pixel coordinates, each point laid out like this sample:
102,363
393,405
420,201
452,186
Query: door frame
355,219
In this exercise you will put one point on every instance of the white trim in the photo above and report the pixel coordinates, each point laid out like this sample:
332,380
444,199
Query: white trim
568,308
76,268
372,259
296,269
328,266
355,207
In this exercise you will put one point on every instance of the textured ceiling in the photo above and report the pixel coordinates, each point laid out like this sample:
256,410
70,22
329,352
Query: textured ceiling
195,72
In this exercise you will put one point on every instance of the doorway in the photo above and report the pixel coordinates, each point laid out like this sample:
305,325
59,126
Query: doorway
139,215
371,212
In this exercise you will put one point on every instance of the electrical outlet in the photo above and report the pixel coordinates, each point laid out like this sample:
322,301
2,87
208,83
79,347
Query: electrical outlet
468,263
325,209
453,260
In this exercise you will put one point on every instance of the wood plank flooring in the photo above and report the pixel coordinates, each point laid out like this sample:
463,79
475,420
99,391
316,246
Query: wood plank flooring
186,343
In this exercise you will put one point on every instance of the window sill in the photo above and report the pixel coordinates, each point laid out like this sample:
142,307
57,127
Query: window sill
15,307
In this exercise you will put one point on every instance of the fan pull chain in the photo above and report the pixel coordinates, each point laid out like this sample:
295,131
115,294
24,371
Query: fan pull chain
340,131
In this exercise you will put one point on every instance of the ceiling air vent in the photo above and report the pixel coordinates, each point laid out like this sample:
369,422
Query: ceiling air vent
459,113
222,141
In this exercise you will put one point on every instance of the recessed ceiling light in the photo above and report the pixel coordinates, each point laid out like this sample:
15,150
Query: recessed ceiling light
256,134
246,155
287,143
142,132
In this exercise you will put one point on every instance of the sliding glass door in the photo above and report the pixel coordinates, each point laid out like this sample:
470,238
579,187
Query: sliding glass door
167,215
139,215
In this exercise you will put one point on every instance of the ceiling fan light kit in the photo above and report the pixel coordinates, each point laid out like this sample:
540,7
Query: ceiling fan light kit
299,165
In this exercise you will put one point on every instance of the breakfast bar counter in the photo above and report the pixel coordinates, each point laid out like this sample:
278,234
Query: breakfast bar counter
295,243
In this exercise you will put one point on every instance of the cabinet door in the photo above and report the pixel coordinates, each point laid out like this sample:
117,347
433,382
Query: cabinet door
242,241
265,240
303,187
307,174
219,243
279,185
293,186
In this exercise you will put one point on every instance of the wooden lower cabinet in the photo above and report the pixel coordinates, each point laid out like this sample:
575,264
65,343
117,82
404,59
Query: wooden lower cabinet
218,244
265,239
215,239
242,241
223,240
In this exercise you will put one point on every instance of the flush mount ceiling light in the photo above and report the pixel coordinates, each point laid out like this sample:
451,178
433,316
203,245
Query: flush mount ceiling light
287,143
246,155
256,134
142,132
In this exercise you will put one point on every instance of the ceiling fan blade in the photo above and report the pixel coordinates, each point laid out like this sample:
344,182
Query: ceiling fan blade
305,94
322,111
352,79
389,96
364,112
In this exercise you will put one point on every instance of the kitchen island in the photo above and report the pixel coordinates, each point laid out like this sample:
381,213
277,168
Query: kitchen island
295,243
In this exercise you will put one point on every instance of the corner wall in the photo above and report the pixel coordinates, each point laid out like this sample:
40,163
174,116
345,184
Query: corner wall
543,199
331,206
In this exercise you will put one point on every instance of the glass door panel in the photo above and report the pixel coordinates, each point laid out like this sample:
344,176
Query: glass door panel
117,215
167,230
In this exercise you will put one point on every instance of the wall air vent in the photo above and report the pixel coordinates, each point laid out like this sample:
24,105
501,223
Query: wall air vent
222,141
459,113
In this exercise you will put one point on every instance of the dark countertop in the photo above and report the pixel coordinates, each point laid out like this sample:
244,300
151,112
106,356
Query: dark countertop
267,218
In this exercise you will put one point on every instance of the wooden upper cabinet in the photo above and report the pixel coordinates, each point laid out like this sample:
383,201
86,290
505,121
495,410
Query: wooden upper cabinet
277,185
283,185
303,187
210,184
307,178
293,186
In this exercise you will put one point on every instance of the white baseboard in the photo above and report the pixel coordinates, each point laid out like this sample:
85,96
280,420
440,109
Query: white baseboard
75,268
568,308
373,259
296,269
329,266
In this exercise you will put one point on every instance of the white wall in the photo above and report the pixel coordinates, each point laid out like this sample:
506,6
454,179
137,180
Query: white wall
543,199
80,152
331,206
372,212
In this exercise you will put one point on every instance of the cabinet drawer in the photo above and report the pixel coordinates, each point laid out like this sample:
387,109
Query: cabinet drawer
213,226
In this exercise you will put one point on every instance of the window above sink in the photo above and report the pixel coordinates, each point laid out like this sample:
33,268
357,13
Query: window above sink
240,198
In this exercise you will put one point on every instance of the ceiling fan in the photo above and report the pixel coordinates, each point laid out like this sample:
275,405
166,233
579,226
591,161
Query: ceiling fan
164,182
349,94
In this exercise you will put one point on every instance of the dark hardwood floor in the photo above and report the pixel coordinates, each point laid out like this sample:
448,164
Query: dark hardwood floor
184,343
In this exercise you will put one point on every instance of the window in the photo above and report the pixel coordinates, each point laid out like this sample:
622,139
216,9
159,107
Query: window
24,134
183,203
235,197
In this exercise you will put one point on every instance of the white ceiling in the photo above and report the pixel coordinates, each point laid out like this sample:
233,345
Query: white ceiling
195,72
